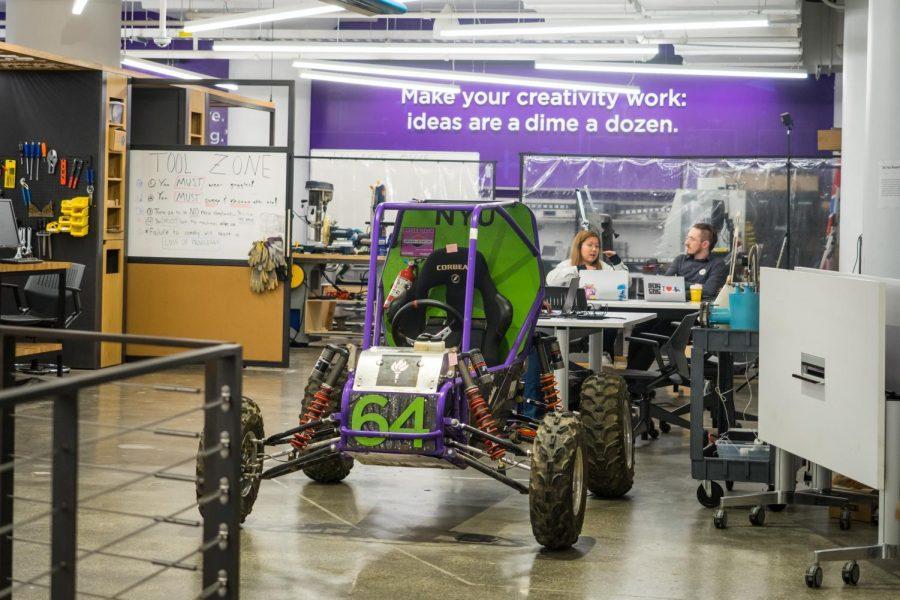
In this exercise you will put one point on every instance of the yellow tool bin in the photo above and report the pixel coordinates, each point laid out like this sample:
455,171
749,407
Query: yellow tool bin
74,217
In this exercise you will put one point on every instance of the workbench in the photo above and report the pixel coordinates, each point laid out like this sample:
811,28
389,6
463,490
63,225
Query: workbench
313,265
332,259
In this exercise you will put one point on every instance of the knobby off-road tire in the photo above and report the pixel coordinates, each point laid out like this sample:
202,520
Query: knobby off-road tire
251,457
334,469
609,440
558,496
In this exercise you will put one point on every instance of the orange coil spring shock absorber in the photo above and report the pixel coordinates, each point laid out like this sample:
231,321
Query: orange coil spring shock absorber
328,367
551,359
315,410
550,391
480,413
484,421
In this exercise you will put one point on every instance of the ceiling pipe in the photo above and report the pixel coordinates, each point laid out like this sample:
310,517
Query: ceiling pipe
163,40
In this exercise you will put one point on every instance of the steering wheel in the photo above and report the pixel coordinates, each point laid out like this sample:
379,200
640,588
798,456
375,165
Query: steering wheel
453,318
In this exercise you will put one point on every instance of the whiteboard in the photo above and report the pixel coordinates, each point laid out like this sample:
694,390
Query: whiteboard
840,319
201,204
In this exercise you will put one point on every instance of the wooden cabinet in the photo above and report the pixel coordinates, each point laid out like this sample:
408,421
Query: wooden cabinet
196,118
113,210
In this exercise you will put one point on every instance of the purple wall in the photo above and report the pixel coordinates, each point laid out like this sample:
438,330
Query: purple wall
700,116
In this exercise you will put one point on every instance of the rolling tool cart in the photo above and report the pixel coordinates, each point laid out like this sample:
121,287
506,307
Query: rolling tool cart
739,460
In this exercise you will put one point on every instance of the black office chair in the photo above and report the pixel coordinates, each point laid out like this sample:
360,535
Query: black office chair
672,369
38,305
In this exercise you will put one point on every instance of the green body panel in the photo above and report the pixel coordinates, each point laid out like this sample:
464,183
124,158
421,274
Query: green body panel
515,270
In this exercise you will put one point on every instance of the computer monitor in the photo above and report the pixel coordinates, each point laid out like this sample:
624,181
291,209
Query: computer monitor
9,230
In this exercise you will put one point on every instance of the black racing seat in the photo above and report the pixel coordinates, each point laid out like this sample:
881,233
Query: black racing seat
448,269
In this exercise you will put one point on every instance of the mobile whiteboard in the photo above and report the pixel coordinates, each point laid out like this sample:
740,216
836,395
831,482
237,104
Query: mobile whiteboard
822,370
892,323
440,176
200,204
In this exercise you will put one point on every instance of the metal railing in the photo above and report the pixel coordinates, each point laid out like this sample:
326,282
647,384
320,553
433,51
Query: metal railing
219,493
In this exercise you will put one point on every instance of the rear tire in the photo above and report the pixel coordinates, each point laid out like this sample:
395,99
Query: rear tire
334,469
252,455
609,439
558,496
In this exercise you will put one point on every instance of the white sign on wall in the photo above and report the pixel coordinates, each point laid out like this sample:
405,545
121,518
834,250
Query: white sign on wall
889,184
193,204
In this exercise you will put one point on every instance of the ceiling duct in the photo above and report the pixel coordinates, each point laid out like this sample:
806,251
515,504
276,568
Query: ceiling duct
371,7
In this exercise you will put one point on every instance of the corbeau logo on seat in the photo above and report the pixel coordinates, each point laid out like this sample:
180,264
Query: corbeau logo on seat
452,267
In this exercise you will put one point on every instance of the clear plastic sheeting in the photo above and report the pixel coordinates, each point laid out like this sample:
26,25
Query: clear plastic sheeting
654,201
357,179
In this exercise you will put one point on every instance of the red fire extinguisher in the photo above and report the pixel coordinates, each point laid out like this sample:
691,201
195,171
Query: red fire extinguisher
404,281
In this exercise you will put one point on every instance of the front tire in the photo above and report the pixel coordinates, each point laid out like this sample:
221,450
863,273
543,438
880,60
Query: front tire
606,419
558,496
252,455
334,469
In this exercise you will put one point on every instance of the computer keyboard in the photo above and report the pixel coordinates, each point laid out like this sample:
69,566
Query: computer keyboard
21,261
589,315
594,314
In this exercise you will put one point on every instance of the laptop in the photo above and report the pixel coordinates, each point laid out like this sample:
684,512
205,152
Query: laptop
566,300
571,302
605,285
659,288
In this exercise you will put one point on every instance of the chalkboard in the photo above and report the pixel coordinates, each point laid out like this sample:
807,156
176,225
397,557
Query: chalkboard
201,204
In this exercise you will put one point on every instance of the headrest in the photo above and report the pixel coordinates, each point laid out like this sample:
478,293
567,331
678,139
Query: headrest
449,269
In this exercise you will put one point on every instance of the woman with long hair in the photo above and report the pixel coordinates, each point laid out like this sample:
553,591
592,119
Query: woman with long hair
586,254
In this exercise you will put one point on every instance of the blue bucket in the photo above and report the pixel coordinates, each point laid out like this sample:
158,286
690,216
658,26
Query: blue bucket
743,304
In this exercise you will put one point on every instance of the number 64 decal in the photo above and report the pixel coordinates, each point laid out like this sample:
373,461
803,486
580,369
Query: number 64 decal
415,412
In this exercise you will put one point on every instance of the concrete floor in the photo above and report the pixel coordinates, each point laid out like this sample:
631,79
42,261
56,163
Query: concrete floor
393,533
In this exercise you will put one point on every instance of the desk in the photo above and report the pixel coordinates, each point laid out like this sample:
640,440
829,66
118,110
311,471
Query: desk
565,329
48,267
631,305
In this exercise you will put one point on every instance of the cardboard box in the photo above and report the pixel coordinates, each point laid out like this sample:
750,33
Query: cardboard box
117,140
319,315
830,139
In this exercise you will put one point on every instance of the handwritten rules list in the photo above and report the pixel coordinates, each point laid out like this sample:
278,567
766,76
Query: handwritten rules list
202,204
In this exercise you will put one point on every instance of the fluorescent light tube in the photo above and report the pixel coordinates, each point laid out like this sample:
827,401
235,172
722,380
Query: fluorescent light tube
231,87
258,16
586,67
154,67
464,76
703,50
519,29
442,50
397,84
78,6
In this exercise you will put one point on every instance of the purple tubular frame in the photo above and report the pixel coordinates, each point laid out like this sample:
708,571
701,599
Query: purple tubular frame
437,434
374,311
